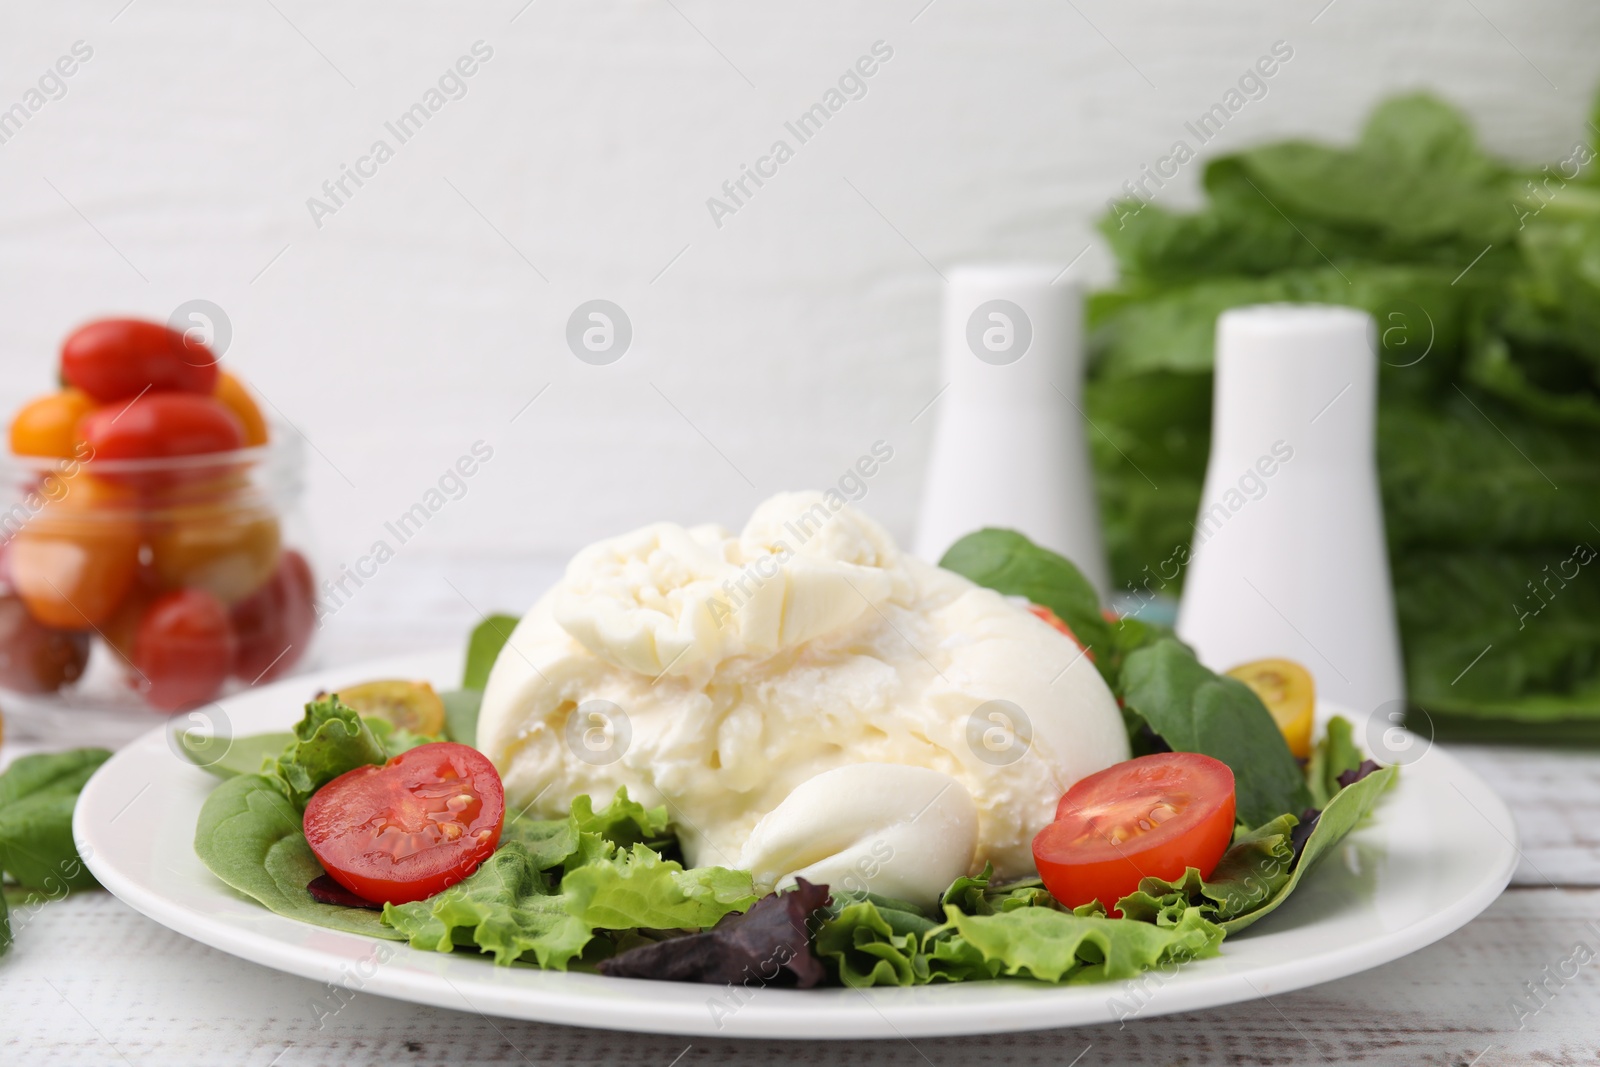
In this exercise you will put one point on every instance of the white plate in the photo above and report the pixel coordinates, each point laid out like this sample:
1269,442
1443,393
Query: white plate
1441,848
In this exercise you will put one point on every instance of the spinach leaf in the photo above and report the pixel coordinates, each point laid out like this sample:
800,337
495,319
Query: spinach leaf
37,795
242,755
1194,710
250,836
1009,563
461,715
483,648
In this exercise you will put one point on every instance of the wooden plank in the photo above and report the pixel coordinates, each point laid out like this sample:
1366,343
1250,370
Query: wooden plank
92,983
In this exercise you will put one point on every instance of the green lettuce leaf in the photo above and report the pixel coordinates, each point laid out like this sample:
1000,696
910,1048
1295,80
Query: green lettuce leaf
1056,946
240,755
330,740
516,906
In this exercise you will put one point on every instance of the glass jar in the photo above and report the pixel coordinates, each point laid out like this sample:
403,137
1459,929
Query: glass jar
133,588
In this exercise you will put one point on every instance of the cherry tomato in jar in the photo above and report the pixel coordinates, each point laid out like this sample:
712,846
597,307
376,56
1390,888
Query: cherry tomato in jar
48,425
411,828
183,649
74,561
35,658
1148,817
235,396
230,552
118,359
274,625
162,426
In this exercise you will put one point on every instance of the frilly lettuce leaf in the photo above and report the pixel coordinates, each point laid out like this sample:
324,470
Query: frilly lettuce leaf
553,883
330,740
992,932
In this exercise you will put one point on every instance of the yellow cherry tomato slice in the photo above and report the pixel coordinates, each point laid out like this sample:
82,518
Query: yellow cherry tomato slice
1287,689
235,396
48,426
412,706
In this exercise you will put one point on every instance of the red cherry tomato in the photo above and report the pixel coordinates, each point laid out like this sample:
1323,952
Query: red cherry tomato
274,624
1147,817
183,649
407,830
117,359
161,426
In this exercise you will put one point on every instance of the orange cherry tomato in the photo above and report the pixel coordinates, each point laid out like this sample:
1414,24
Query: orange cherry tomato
1148,817
74,561
118,359
409,829
48,426
235,395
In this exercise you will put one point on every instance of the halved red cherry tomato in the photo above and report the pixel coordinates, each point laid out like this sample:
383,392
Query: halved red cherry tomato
1146,817
407,830
275,623
117,359
162,425
183,649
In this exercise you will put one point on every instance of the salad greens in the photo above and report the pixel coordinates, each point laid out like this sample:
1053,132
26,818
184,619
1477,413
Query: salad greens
37,795
601,889
1481,276
1193,710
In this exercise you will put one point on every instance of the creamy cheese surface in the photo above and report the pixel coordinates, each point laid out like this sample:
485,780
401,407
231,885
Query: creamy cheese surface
718,673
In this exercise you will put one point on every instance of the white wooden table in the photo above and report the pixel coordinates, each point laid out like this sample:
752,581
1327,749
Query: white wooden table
91,982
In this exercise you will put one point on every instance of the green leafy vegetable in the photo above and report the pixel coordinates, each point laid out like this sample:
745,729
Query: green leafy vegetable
1259,871
1489,394
483,648
251,837
1009,563
1194,710
241,755
553,883
461,715
329,741
37,795
874,941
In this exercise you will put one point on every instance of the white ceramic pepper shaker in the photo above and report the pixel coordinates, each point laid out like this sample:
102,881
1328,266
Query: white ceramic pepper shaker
1010,447
1289,557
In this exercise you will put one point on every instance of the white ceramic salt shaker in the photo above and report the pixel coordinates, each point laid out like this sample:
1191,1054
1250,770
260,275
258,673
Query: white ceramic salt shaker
1289,557
1010,447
